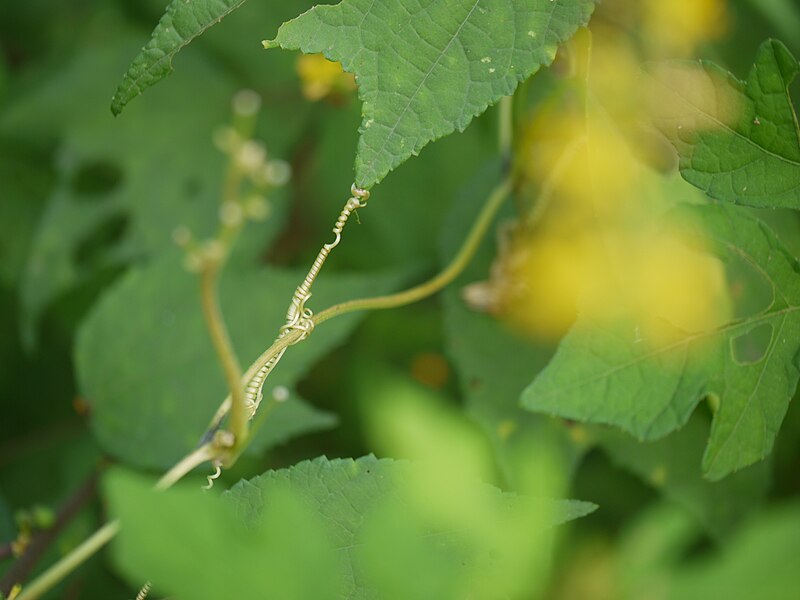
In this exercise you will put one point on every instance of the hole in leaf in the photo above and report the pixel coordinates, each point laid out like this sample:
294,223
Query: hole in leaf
90,251
96,179
751,293
751,347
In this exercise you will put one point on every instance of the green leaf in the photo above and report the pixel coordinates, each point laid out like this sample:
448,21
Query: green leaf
747,566
183,21
606,373
146,365
670,466
381,509
659,550
737,141
425,70
245,544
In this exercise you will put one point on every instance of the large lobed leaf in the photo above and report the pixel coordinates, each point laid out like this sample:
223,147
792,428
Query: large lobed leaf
425,69
738,141
321,529
604,373
183,21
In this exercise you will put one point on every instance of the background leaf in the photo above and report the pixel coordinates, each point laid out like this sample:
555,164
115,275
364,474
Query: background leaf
424,72
670,465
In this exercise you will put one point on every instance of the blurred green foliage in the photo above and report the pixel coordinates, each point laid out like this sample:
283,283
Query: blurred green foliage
92,370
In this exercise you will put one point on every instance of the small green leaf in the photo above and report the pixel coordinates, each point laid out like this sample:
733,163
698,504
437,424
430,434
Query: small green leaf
737,141
183,21
146,365
606,373
426,70
670,465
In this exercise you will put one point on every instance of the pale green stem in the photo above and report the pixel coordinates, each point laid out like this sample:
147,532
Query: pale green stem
224,348
441,280
70,562
184,467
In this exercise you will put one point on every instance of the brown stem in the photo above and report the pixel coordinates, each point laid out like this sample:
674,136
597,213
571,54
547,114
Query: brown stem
42,540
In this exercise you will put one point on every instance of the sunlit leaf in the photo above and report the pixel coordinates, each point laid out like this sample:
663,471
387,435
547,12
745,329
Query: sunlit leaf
321,529
364,501
737,141
610,373
425,71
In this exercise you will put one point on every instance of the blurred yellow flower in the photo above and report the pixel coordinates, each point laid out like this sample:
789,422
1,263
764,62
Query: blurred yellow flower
323,78
676,27
596,242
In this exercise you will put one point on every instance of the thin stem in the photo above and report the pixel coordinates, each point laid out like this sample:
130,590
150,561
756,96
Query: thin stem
224,348
190,461
441,280
70,562
289,338
106,533
42,540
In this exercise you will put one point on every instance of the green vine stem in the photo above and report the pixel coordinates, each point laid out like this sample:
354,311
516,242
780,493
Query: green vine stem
70,562
220,339
444,278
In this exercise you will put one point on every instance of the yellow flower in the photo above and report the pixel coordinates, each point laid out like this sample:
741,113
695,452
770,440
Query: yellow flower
322,78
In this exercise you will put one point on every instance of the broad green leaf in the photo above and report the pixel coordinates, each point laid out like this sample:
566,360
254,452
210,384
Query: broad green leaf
374,509
426,69
183,21
670,465
146,366
245,544
737,141
617,374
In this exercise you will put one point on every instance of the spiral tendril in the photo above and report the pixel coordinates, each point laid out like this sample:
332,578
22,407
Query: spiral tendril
143,593
214,476
298,317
